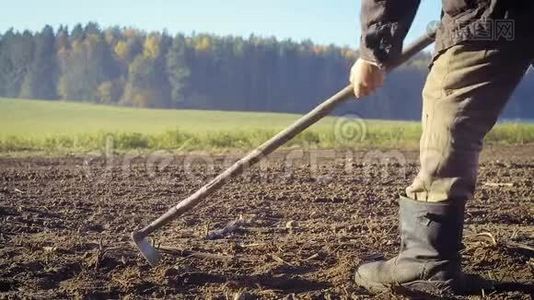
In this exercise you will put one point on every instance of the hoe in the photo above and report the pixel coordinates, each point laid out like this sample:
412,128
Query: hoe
139,237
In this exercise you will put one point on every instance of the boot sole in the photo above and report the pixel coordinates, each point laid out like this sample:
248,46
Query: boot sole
419,287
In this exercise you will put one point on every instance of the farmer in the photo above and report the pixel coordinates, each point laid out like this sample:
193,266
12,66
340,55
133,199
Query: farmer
483,48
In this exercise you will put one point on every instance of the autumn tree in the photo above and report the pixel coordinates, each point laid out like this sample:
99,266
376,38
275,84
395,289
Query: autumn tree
147,84
84,67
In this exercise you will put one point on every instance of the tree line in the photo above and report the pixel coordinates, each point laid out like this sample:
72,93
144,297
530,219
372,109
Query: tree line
127,66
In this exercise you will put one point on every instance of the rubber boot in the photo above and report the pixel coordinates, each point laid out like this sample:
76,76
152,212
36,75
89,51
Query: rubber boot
429,259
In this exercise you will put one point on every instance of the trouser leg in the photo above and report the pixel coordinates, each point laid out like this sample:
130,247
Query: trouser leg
466,90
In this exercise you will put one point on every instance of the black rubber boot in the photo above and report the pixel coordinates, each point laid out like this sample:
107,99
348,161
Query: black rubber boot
429,259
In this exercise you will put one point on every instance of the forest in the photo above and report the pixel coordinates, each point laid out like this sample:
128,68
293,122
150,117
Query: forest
130,67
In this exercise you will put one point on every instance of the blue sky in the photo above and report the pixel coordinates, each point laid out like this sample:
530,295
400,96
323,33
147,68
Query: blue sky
322,21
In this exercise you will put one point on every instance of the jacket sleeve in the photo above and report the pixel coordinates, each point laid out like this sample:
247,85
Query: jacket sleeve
385,24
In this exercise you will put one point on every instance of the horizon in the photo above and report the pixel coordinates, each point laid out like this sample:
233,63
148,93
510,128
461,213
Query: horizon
297,20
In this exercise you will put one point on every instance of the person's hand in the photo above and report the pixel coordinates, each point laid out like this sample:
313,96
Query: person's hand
366,78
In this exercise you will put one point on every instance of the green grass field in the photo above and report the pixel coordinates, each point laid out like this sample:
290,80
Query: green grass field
52,126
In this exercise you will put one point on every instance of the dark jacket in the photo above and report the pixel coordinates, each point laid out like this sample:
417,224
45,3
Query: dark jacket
385,24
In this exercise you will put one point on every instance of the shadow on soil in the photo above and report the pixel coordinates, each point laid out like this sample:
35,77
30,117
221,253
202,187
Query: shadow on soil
284,282
527,288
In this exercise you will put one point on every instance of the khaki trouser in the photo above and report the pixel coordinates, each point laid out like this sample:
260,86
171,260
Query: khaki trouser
466,89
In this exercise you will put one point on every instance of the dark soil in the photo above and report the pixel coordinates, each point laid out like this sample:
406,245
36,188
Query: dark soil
66,224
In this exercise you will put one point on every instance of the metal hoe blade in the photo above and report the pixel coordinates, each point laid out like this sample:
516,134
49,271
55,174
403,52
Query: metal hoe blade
147,250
